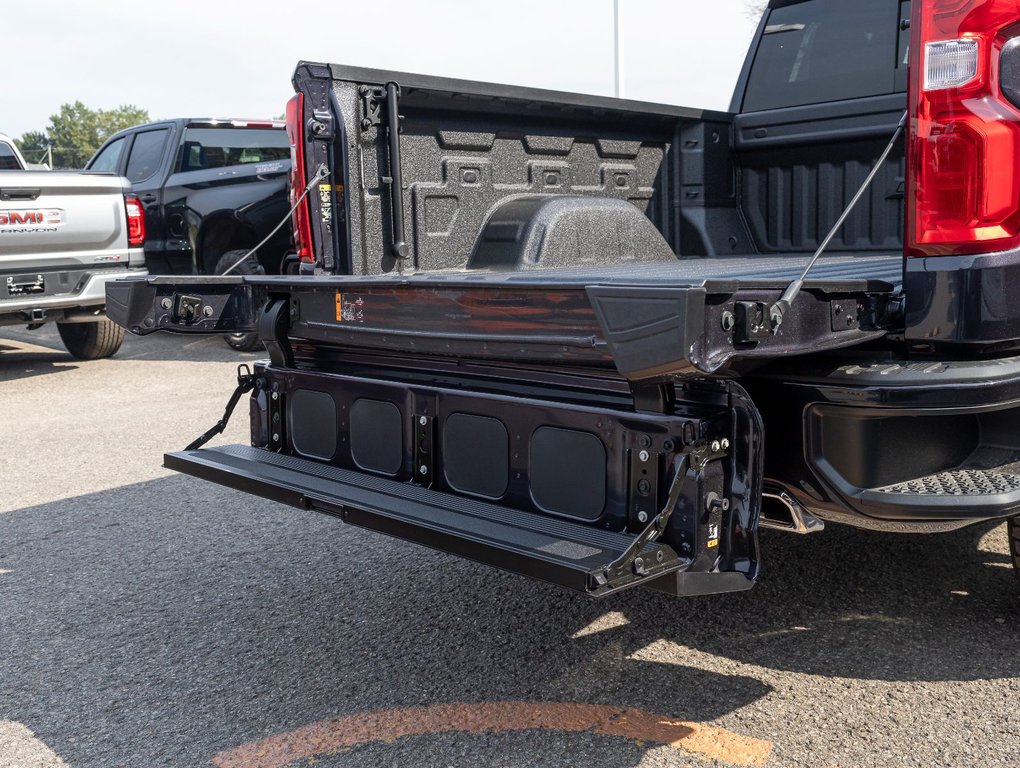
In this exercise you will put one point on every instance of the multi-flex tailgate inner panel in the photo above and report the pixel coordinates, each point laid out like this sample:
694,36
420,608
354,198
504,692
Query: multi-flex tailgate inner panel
578,489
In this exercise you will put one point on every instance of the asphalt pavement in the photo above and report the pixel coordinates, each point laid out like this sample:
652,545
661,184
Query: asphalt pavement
150,619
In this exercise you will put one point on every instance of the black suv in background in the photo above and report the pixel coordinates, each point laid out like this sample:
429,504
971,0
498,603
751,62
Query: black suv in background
211,190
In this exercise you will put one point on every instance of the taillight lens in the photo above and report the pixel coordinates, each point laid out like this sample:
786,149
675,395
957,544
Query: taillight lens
964,146
135,221
296,135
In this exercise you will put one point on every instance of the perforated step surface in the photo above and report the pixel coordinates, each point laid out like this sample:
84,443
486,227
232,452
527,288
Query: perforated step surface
958,482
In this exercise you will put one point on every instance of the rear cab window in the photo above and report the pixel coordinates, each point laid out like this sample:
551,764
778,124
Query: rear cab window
206,148
817,51
8,158
108,159
147,154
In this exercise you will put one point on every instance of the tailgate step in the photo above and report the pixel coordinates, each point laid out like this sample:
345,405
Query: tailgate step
558,551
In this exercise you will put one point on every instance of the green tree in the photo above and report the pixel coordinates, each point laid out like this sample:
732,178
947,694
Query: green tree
33,146
78,131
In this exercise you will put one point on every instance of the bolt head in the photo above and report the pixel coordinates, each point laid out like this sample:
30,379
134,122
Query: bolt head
276,437
276,395
423,470
423,420
207,311
642,516
725,443
715,446
643,455
166,303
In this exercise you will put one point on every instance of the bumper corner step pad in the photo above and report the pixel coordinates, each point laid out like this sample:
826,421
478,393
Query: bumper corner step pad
562,552
993,491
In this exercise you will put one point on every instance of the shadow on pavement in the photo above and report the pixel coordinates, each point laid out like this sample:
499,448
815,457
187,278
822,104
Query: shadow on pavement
22,349
163,622
18,363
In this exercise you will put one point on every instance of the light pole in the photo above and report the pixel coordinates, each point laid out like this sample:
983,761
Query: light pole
618,48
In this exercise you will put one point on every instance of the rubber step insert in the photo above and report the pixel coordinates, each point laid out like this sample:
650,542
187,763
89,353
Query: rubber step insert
988,484
562,552
959,482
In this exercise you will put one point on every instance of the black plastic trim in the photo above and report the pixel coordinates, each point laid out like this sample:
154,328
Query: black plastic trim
963,301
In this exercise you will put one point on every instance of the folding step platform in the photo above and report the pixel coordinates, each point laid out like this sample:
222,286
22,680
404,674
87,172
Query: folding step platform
558,551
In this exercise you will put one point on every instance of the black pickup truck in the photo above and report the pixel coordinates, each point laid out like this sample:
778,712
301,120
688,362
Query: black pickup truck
212,189
572,337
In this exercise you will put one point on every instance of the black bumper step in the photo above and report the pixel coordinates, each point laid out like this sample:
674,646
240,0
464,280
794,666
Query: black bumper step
558,551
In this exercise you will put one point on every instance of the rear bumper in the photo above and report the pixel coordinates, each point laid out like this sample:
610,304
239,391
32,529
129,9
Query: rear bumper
963,302
88,293
895,445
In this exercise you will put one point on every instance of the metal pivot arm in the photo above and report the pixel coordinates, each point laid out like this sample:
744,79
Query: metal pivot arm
245,383
631,562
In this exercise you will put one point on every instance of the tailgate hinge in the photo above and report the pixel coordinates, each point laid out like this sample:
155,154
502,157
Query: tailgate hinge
274,322
631,563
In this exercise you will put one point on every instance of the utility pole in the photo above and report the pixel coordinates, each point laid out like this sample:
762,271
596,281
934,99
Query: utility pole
618,48
49,153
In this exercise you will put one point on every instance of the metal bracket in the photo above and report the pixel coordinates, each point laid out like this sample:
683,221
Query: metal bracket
186,309
424,450
274,322
274,410
644,486
752,322
843,314
321,126
371,106
631,562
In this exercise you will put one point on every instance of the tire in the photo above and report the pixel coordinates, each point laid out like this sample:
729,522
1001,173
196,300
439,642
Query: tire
242,342
91,341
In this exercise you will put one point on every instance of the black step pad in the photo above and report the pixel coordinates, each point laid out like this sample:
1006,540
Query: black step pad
559,551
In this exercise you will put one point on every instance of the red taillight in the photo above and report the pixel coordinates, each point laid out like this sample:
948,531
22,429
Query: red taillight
135,221
964,145
298,181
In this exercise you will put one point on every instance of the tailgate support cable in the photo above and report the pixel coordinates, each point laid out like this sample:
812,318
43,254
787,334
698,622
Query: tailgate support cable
320,173
245,383
778,310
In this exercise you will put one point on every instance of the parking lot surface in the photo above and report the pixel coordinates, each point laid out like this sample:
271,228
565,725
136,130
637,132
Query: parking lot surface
150,619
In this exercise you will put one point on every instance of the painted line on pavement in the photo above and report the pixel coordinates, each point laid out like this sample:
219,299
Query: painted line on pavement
19,747
330,736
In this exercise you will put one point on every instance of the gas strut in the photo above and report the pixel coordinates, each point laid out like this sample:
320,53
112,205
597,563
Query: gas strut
778,310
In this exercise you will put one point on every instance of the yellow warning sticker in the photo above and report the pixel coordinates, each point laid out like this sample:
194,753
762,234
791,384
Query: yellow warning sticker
339,307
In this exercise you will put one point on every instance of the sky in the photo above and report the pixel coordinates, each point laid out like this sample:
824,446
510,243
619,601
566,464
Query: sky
229,58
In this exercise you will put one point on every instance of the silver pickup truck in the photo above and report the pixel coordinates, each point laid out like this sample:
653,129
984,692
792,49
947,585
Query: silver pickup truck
63,237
